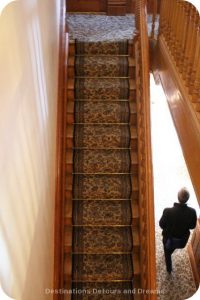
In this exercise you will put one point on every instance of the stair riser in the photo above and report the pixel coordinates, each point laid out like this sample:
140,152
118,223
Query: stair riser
134,169
70,119
70,143
71,95
131,50
71,72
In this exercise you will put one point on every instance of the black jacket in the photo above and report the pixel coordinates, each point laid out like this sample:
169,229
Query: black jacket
177,221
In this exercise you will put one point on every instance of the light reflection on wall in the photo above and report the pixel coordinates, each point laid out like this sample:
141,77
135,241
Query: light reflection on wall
4,3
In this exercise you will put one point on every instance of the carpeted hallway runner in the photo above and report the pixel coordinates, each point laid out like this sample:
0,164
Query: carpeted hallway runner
102,236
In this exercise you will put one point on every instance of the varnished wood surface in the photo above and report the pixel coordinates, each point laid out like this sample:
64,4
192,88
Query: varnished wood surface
146,206
60,154
101,6
87,5
183,114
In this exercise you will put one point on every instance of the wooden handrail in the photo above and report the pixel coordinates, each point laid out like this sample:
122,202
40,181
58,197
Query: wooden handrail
60,155
146,202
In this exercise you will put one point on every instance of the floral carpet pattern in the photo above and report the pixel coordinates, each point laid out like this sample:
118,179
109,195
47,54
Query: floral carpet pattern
102,186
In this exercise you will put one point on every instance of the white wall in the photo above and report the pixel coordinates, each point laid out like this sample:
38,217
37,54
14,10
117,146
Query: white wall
28,95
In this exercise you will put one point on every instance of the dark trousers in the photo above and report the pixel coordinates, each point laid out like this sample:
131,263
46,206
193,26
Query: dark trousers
168,258
169,250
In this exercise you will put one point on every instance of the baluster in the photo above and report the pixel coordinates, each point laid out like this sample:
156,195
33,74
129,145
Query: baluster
188,38
165,17
155,8
172,27
175,46
182,34
196,65
195,89
191,46
169,20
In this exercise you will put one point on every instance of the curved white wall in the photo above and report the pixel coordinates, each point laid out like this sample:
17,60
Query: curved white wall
28,94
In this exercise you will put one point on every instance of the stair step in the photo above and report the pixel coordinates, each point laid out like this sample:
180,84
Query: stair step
99,290
103,135
102,186
101,112
83,160
105,82
103,88
102,267
114,66
102,161
102,240
91,66
108,51
104,212
131,59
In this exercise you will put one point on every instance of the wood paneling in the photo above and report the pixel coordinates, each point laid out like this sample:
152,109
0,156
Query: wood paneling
115,7
87,5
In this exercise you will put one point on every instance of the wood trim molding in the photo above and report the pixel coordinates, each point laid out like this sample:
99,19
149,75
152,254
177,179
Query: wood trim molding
183,114
147,224
60,154
107,6
194,253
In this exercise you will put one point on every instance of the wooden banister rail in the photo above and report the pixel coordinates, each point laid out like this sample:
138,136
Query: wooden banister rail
146,205
180,28
60,156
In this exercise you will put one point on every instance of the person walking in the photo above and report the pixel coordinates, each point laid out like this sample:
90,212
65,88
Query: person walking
176,223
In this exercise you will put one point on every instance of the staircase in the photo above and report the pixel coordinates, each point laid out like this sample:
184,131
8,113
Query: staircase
102,241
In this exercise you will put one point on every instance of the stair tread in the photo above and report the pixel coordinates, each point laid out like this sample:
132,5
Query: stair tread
103,161
103,88
110,112
102,186
98,66
103,136
102,239
102,212
102,287
118,47
102,267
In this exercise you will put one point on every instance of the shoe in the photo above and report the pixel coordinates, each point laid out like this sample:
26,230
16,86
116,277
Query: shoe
169,271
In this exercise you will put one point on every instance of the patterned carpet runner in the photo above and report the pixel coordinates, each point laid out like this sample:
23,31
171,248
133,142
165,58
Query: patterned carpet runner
102,237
